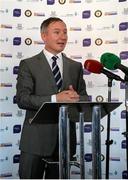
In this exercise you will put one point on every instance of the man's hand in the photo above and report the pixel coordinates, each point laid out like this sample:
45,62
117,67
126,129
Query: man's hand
69,95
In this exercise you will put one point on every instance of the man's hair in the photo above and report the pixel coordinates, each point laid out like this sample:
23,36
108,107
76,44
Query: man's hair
47,22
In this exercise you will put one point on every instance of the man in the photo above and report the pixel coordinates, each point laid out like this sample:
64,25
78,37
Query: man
36,84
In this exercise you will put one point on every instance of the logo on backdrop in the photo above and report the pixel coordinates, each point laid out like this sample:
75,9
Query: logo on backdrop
124,55
15,69
98,41
50,2
87,42
28,13
98,13
86,14
28,41
16,128
16,158
62,1
17,41
123,26
16,12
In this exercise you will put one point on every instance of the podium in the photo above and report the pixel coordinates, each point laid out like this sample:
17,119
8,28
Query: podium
87,112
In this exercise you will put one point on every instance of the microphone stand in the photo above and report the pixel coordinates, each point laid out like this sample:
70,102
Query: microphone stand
108,141
126,105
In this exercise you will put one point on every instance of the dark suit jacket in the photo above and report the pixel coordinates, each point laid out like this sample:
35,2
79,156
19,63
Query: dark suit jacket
35,85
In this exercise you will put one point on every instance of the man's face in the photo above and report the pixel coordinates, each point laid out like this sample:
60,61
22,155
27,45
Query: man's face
55,37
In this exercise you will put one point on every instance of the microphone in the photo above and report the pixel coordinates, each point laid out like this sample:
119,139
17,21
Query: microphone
112,62
96,67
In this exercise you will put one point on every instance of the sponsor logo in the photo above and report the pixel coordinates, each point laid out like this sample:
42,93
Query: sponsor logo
19,113
6,26
111,42
114,129
4,40
16,158
74,1
19,26
110,13
125,175
6,144
4,69
125,40
14,100
4,159
3,11
19,55
62,1
123,26
89,27
4,129
114,158
16,12
6,55
122,85
4,99
98,13
106,27
17,41
88,157
50,2
124,55
123,114
5,84
86,14
7,114
99,98
76,57
90,98
9,174
16,129
86,72
87,42
28,41
75,29
122,0
123,144
28,13
98,41
15,69
39,14
38,42
88,128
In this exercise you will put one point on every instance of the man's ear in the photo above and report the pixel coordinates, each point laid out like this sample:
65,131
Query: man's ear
43,36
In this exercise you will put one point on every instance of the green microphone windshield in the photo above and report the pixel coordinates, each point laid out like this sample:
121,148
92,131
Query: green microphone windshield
110,61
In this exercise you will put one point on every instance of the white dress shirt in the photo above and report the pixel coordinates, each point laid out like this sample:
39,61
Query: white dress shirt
59,63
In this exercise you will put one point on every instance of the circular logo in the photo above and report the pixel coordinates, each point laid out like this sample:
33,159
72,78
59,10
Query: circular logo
98,13
62,1
101,128
102,157
98,41
99,98
28,13
28,41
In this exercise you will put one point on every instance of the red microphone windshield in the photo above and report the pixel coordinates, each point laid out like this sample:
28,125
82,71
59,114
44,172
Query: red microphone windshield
93,66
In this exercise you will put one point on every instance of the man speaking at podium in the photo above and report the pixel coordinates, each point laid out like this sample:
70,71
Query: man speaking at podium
49,76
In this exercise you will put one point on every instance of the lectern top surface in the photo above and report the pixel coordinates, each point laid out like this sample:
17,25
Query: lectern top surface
49,110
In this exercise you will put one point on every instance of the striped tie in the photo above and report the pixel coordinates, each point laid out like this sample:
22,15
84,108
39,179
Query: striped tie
56,73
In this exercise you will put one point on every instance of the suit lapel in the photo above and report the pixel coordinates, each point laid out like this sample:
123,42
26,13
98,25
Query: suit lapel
46,69
65,73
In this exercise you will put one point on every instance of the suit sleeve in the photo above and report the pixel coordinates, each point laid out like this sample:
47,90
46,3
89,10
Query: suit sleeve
82,86
25,95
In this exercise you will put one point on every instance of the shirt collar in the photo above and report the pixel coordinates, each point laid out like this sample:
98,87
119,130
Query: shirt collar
50,55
